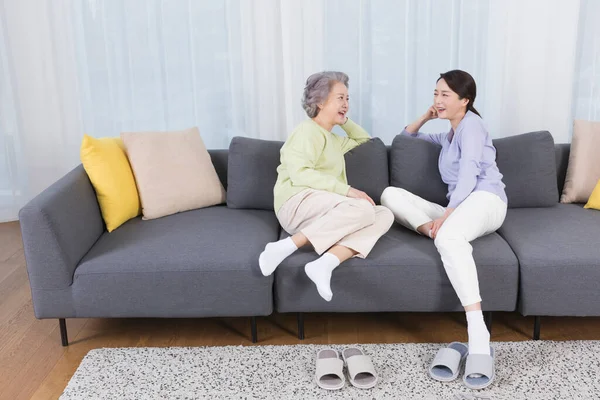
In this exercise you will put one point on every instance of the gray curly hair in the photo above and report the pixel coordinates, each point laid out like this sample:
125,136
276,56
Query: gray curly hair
317,89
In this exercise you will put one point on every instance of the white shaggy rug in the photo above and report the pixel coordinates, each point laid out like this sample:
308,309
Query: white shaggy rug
524,370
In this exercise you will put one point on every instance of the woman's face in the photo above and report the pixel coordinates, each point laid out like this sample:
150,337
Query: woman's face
335,107
446,102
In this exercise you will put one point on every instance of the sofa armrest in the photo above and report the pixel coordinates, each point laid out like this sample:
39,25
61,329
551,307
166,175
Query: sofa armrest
58,227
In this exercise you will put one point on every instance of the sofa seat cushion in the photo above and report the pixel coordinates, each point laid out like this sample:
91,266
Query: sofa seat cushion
197,263
404,272
559,255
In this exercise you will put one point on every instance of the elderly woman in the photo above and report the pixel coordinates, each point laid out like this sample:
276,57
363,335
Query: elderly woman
313,201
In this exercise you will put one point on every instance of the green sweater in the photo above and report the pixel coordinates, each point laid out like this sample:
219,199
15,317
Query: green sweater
313,157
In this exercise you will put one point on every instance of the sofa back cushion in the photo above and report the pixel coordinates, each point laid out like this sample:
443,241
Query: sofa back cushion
219,159
414,167
562,162
528,164
367,168
252,171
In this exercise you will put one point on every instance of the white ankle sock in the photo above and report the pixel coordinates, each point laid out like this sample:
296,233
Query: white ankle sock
479,336
274,254
319,271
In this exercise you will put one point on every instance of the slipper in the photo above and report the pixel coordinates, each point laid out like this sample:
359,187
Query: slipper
329,373
361,372
469,396
479,371
446,364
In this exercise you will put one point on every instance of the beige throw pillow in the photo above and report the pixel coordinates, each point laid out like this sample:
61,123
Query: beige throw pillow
583,171
173,172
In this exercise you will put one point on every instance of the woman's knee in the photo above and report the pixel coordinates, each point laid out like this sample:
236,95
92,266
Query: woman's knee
385,216
386,196
365,212
392,195
446,239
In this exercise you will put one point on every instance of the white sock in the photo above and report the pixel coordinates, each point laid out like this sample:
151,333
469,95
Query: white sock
319,271
274,254
479,336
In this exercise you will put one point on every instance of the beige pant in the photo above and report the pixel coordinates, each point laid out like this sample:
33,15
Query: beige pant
327,218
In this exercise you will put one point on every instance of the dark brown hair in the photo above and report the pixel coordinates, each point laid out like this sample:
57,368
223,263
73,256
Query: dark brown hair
463,84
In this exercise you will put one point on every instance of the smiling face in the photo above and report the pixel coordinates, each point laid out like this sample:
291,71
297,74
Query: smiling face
447,102
334,109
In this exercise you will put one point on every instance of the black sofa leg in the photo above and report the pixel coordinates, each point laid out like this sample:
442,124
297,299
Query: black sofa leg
300,326
488,320
63,331
536,328
253,329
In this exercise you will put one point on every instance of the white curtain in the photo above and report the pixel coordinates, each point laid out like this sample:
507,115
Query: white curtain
238,67
587,78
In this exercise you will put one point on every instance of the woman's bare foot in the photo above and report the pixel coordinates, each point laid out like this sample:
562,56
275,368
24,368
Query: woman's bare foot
425,229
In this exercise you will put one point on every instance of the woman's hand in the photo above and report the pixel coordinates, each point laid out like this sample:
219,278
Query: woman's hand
430,114
437,223
359,194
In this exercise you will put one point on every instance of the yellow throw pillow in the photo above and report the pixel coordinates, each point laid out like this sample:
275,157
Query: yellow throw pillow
594,200
107,166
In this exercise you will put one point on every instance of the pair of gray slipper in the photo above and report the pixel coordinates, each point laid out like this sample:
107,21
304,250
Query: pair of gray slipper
329,369
479,368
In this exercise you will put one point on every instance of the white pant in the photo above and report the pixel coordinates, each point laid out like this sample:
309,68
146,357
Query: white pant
481,213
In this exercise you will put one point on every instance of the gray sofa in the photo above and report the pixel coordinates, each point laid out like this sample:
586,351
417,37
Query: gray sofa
545,260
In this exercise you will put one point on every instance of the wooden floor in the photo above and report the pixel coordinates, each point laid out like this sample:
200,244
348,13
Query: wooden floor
33,364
